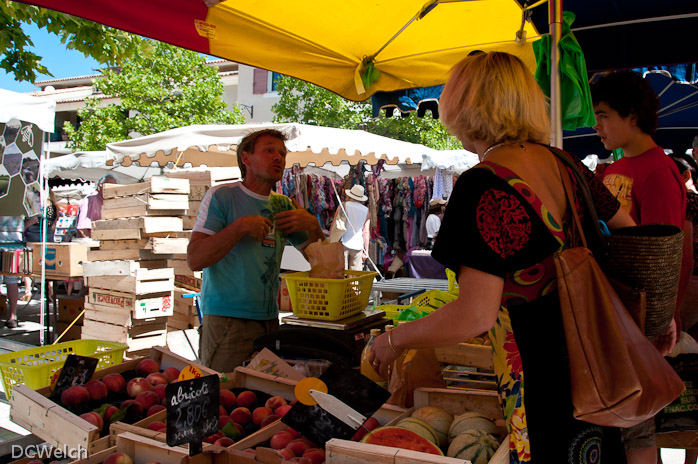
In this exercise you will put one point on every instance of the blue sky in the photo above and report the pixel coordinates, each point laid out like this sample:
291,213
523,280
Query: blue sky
60,61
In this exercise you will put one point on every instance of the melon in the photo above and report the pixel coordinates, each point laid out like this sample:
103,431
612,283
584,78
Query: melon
397,437
471,420
475,446
421,428
439,420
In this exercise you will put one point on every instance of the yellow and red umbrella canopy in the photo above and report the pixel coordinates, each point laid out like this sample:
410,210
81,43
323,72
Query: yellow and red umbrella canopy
400,43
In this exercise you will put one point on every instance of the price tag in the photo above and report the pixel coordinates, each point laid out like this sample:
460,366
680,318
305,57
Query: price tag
192,411
77,370
190,372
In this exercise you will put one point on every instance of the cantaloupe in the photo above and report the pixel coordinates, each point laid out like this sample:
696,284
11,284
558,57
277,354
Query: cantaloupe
475,446
471,420
439,420
397,437
421,428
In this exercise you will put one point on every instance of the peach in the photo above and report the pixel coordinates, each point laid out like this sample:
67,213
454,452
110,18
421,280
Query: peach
282,410
117,458
114,382
157,378
241,415
250,450
293,432
280,440
147,366
157,425
148,399
160,390
172,374
227,399
75,396
36,461
247,399
97,390
270,419
224,442
154,409
222,420
286,454
240,428
260,413
134,409
94,419
212,438
301,460
298,446
109,412
137,385
275,402
315,455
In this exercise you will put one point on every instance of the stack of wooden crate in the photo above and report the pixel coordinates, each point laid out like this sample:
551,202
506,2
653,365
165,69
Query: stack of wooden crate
130,282
186,280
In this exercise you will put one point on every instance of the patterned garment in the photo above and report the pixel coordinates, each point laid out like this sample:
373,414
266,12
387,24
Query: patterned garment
692,215
495,223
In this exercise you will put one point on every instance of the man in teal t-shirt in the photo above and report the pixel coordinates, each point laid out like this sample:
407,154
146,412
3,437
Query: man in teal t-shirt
238,241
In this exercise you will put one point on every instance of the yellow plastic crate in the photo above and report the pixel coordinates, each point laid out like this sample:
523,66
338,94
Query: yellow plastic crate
432,300
391,310
452,282
329,299
34,367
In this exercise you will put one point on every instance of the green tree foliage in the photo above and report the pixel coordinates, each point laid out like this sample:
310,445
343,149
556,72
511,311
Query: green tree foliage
104,44
171,88
305,103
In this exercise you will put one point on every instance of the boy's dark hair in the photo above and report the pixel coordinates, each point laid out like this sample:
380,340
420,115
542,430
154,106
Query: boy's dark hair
248,142
628,92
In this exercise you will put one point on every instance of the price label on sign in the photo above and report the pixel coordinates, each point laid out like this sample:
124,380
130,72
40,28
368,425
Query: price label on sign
77,370
192,411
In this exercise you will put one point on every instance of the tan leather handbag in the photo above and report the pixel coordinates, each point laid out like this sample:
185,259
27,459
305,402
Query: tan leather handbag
618,377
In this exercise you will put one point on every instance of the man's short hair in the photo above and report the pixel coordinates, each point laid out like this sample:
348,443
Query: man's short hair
107,177
628,92
248,142
695,141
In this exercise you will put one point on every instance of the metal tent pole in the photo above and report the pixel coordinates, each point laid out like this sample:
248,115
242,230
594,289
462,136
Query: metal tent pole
555,25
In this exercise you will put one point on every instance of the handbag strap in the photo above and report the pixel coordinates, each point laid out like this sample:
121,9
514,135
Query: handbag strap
569,193
597,242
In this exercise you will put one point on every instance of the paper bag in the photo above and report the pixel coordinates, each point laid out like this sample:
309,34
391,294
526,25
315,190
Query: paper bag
326,260
417,368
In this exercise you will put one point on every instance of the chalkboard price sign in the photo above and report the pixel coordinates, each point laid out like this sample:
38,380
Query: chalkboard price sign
77,370
192,411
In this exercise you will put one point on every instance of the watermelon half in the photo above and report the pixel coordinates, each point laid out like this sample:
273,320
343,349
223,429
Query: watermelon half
398,437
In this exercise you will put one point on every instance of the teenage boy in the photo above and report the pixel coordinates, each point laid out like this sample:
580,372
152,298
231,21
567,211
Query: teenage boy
646,182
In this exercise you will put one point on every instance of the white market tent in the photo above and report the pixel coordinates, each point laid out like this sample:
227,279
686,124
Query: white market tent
91,165
215,145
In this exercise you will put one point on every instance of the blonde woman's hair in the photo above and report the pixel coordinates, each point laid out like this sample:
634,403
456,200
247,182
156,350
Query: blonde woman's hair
493,97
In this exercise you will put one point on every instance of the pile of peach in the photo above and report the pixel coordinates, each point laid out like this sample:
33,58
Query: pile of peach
144,393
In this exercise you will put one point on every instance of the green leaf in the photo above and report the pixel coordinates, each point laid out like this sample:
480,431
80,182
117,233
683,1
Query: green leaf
230,431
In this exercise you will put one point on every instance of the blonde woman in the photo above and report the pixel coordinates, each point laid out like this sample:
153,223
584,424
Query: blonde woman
504,221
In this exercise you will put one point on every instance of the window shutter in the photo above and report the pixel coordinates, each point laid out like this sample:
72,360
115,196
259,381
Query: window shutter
259,81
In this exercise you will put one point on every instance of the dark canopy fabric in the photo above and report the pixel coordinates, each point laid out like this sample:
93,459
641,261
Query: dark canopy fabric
625,34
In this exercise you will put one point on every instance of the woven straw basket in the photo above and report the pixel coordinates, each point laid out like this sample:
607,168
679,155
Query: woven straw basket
649,257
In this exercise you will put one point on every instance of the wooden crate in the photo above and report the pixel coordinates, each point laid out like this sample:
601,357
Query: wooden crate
59,427
188,282
73,333
138,212
147,225
120,267
61,260
157,245
184,306
453,401
180,266
139,306
144,281
127,254
152,201
142,334
156,184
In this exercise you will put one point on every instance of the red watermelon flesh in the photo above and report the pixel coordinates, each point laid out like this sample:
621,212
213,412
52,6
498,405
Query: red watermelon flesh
397,437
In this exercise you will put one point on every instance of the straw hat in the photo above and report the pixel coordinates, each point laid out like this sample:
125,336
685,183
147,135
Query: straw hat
357,193
437,202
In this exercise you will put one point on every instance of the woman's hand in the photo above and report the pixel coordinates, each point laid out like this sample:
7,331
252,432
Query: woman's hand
383,356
